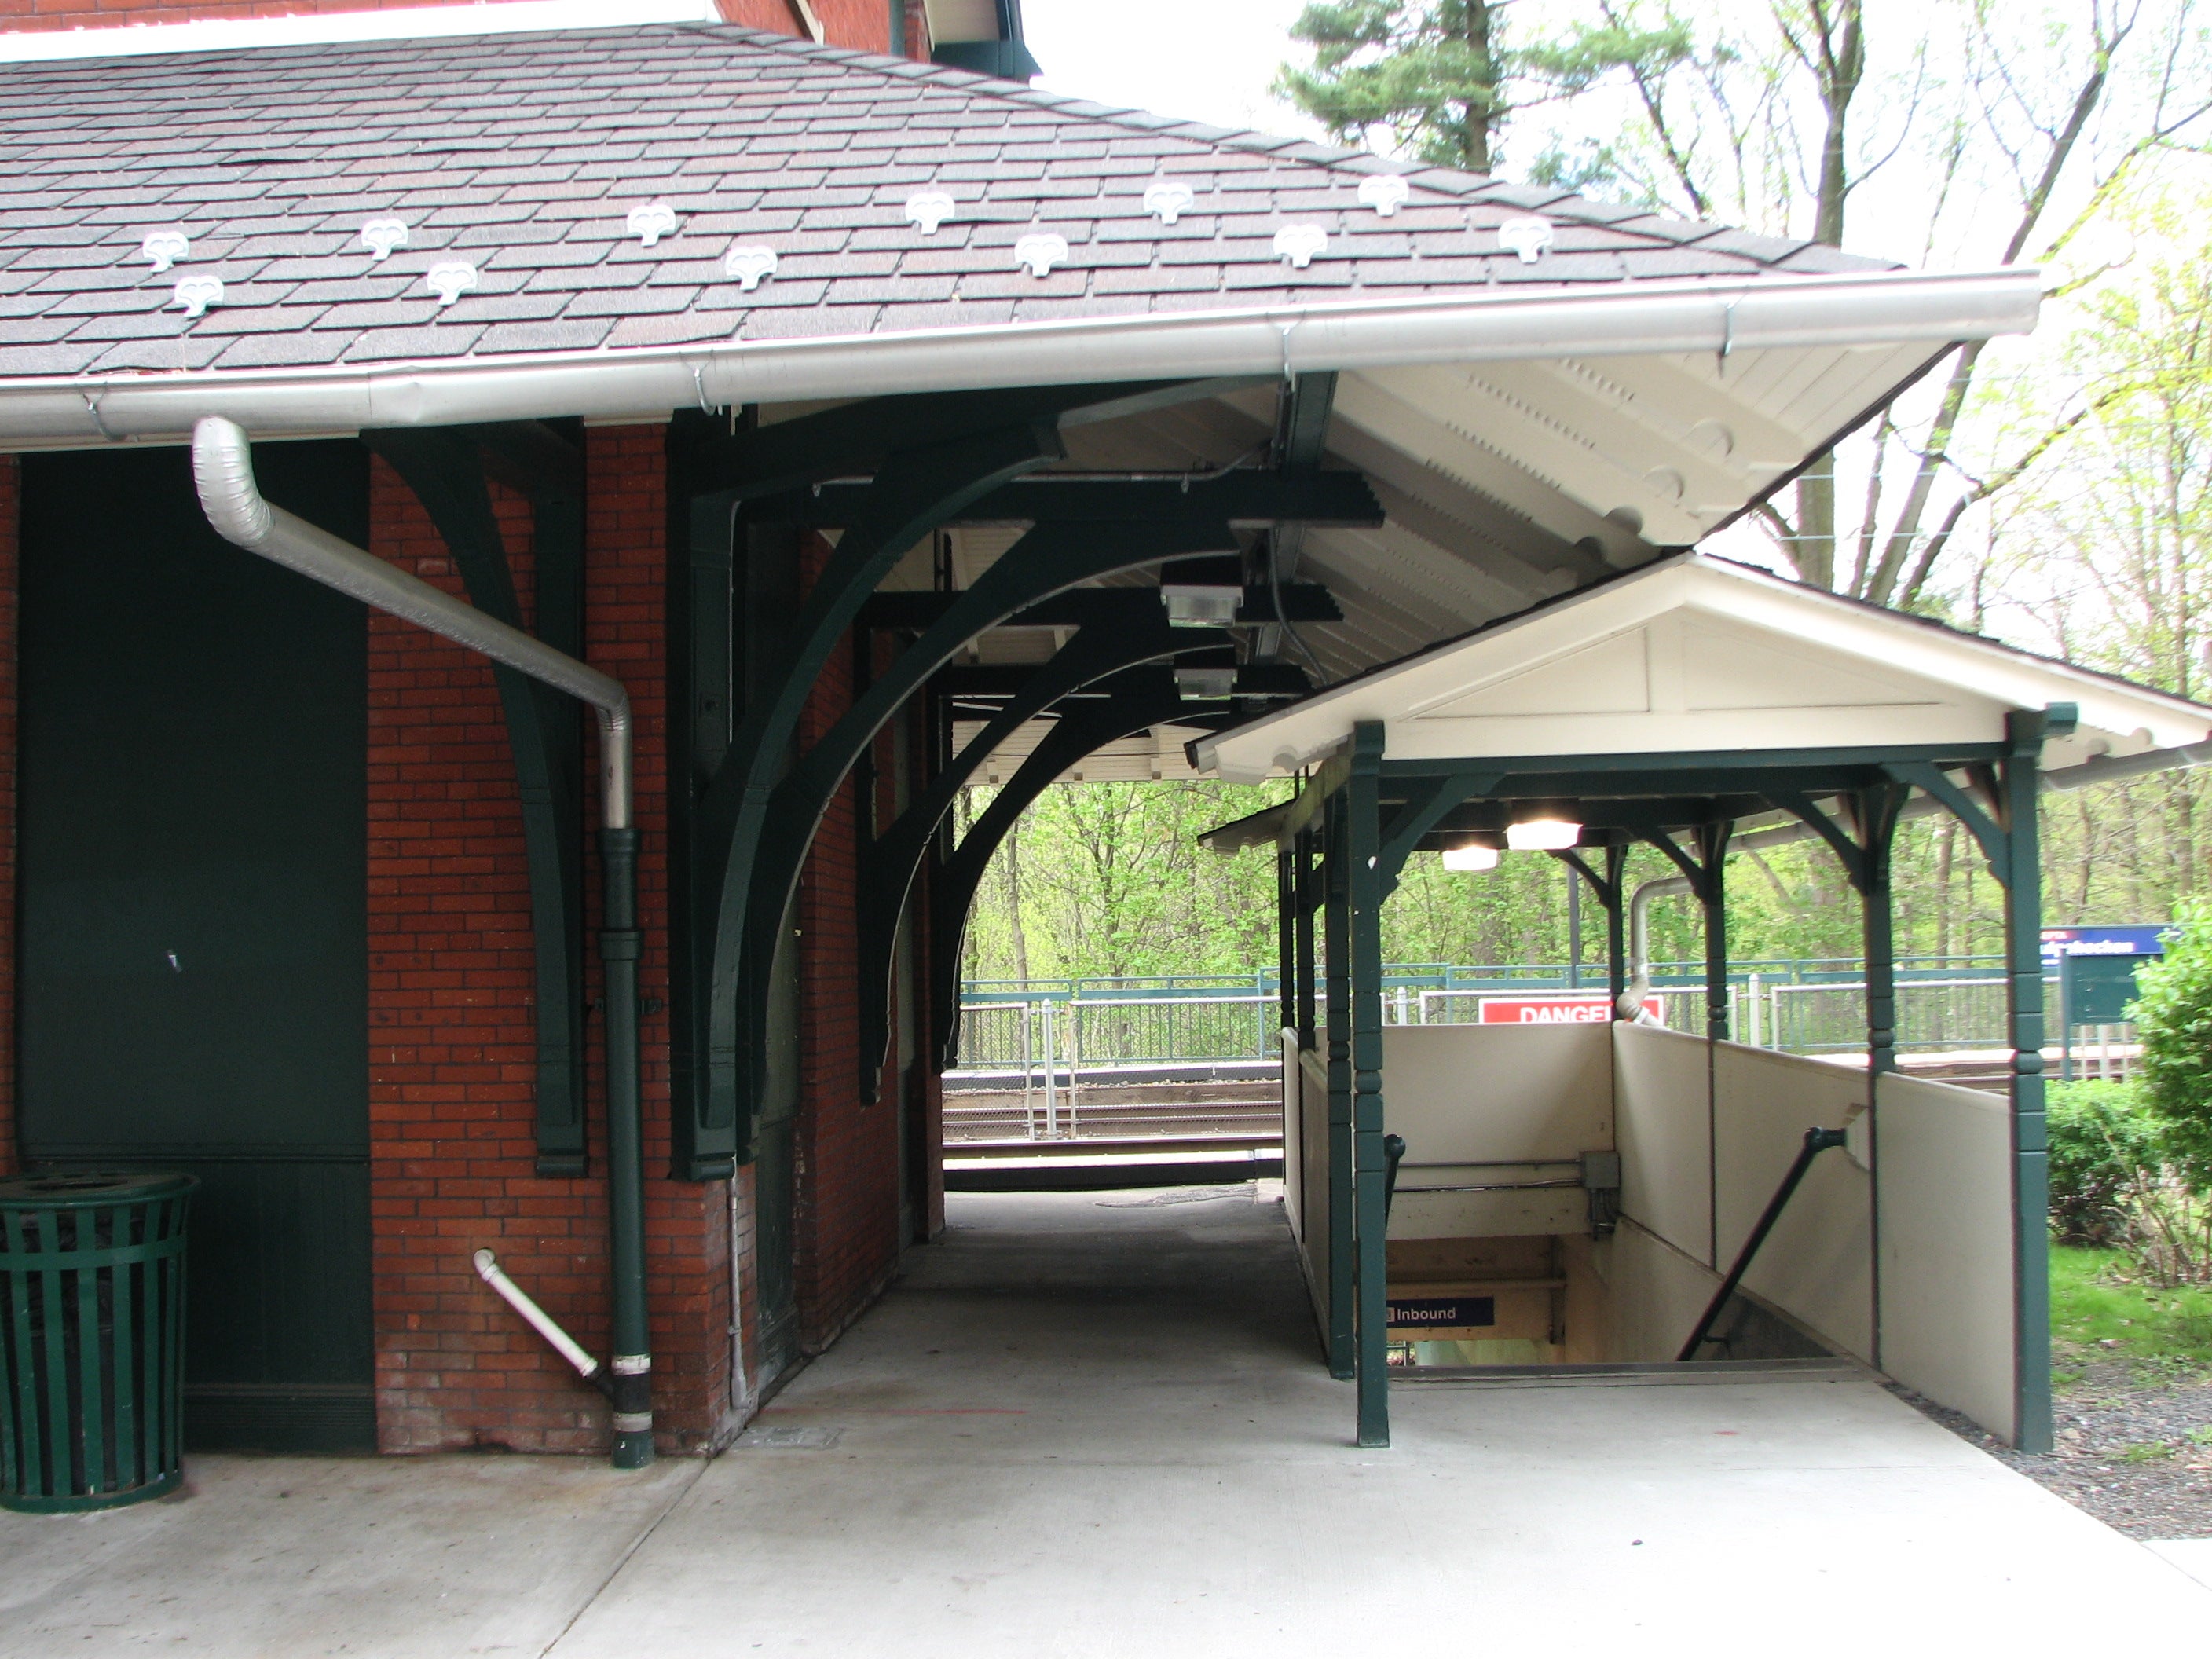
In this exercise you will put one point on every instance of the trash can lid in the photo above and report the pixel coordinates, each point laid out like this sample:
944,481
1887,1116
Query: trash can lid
76,1189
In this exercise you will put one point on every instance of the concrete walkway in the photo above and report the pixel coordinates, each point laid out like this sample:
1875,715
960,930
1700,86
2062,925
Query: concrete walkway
1092,1424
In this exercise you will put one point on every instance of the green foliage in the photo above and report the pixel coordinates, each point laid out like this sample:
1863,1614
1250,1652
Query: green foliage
1441,77
2103,1147
2173,1016
2095,1300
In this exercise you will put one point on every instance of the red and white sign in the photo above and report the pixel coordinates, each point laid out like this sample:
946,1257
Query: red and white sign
1567,1008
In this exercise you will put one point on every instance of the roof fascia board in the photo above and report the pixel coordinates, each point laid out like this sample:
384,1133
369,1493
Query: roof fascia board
416,22
2126,717
1832,313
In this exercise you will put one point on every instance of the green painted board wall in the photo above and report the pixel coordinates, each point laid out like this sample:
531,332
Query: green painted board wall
193,945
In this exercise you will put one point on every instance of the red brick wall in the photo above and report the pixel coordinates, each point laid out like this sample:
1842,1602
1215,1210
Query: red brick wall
450,1022
10,499
845,1220
863,25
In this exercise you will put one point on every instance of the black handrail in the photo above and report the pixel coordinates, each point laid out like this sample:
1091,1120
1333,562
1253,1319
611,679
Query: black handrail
1816,1142
1394,1149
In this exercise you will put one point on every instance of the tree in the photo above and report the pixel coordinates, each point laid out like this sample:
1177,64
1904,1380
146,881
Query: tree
2028,129
2173,1014
1442,77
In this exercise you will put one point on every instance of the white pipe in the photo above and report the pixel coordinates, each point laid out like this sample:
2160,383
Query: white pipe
487,1269
223,466
1629,318
1630,1006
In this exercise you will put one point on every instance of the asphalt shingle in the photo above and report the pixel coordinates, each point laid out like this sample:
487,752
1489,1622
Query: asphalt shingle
524,153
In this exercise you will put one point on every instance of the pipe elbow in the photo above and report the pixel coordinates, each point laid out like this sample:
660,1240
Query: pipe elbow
223,472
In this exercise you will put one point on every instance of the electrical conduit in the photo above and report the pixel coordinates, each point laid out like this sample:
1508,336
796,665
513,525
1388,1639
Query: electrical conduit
222,467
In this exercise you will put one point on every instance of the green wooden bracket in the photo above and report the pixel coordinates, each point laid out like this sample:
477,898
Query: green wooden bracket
1147,698
889,870
1051,556
1422,814
720,1060
446,467
1989,835
1607,890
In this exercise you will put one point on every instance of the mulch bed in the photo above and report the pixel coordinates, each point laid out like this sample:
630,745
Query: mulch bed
2135,1447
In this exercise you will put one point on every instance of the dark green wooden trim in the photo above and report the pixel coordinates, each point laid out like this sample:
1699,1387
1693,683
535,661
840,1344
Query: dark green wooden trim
2018,784
1092,658
1336,970
1364,844
1147,698
1712,856
1420,815
1306,900
1616,925
1050,557
916,490
1245,498
1557,774
1989,835
859,438
445,467
1306,807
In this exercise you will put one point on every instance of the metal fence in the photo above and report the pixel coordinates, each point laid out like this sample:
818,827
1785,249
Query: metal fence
1057,1028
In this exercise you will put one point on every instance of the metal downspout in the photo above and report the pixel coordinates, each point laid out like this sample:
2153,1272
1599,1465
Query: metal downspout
1630,1007
222,468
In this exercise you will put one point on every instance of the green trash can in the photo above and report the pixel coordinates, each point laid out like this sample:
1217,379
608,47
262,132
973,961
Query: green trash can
92,1326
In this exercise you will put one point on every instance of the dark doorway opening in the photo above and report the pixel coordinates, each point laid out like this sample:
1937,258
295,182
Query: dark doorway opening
193,936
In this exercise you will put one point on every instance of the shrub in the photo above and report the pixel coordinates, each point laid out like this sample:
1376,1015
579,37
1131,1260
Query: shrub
2104,1150
2173,1016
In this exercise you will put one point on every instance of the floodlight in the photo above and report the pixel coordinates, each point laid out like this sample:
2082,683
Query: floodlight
1472,856
1543,836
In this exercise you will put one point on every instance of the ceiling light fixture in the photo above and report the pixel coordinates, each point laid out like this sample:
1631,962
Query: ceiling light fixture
1543,836
1470,857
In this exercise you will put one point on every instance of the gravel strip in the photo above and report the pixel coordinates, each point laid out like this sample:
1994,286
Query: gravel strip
2135,1447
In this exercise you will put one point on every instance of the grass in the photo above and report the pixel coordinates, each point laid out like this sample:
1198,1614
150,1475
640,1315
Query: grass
2164,1331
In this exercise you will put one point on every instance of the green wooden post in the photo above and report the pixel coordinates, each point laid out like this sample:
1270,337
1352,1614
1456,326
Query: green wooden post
1877,826
1712,856
1286,967
1336,947
1616,925
2019,783
1364,841
1303,852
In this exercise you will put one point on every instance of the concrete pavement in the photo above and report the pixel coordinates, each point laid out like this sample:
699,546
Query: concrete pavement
1092,1424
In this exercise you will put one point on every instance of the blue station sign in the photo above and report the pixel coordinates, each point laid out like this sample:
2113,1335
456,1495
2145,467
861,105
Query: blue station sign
2142,939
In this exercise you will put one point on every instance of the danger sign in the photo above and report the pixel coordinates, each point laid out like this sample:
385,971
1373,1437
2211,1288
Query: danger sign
1589,1008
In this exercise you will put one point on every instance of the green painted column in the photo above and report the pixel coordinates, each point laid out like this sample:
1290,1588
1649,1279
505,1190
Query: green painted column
1287,967
1616,925
2019,784
1363,840
1308,900
1877,826
1336,949
1712,855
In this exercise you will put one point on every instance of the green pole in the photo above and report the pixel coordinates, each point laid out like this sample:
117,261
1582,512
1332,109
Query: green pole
1877,825
1616,924
1286,906
1712,855
1336,947
1364,841
2019,784
631,1383
1303,854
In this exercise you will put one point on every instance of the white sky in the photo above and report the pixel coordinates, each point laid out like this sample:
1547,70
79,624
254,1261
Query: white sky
1208,60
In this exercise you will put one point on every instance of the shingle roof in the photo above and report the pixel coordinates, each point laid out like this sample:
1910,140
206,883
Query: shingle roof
524,155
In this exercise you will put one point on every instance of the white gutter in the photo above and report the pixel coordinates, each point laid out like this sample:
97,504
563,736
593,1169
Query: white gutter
1884,308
